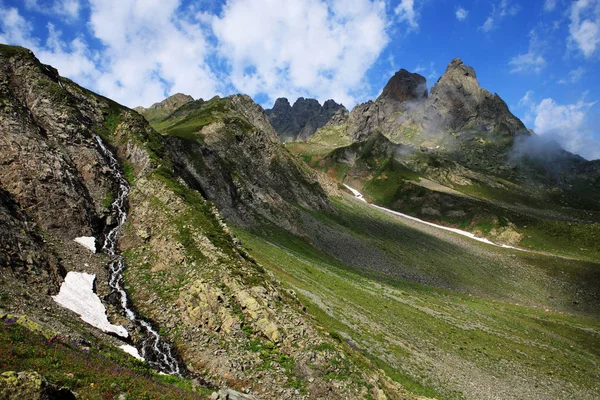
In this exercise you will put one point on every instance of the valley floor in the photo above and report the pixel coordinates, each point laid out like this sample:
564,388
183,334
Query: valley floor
483,323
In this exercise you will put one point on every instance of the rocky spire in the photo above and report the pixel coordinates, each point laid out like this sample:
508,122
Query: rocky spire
405,86
300,121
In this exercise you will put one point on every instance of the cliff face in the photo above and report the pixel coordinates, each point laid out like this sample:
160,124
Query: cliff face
300,121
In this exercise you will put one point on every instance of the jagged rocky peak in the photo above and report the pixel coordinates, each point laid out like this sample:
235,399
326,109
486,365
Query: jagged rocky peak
301,120
405,86
457,102
458,76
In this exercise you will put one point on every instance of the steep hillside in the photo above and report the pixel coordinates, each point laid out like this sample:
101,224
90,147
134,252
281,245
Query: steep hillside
300,121
76,164
227,149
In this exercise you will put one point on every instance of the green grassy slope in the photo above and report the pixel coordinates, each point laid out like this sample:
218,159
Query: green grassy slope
93,369
432,186
508,325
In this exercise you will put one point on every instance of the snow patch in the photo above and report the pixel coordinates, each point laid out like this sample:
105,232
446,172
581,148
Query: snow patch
77,294
359,196
89,242
131,351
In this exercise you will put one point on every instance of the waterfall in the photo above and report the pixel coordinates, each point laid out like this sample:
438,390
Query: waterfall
153,346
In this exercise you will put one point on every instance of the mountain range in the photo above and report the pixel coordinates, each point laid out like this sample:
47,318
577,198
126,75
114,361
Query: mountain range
423,245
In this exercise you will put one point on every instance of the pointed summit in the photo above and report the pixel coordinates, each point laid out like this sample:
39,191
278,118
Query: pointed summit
405,86
458,76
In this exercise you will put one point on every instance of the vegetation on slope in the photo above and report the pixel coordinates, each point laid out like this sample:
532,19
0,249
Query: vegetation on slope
93,371
431,186
437,342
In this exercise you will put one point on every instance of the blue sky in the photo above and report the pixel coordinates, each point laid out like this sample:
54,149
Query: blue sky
542,57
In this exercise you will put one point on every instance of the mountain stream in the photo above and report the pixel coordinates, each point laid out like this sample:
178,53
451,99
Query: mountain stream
154,349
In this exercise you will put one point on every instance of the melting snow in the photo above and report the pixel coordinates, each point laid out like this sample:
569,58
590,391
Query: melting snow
359,196
131,351
89,242
77,294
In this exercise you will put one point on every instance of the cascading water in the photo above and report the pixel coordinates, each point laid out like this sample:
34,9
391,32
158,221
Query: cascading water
154,349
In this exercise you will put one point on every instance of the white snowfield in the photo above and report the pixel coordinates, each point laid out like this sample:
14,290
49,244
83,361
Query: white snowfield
77,294
129,349
89,242
359,196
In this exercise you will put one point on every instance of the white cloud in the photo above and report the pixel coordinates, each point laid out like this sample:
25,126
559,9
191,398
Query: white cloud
154,48
550,5
567,125
527,99
584,28
301,47
151,50
499,11
527,62
575,76
532,61
406,13
428,72
461,14
488,25
68,9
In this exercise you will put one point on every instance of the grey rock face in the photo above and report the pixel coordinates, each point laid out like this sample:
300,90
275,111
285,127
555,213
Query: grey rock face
300,121
458,102
455,103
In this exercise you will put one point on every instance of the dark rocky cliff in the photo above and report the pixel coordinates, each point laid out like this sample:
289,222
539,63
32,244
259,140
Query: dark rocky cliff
300,121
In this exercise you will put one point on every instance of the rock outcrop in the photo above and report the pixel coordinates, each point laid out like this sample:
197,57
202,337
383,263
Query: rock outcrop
300,121
406,114
457,102
31,386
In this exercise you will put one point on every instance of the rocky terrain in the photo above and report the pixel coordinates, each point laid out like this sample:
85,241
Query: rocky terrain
264,276
300,121
230,322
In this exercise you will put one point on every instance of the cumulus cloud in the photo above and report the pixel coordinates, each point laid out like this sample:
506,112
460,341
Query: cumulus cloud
461,14
406,13
584,27
301,47
73,59
566,124
533,60
499,11
151,49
